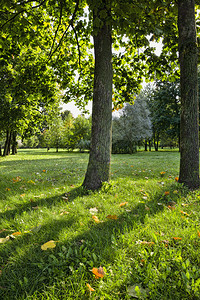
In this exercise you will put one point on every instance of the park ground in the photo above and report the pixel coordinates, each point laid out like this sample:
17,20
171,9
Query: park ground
138,237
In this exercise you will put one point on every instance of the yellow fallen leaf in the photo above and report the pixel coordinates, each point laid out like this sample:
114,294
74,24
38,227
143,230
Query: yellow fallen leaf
122,204
51,244
7,189
22,195
112,217
90,288
95,218
4,240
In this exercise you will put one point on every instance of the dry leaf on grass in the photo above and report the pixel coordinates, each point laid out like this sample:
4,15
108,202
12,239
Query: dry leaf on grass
48,245
98,272
90,288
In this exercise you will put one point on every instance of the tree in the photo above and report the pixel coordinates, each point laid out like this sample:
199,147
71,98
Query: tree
132,127
98,169
189,126
164,104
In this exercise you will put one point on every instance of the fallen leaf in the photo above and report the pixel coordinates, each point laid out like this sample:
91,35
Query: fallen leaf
184,213
64,213
35,207
17,179
177,238
176,179
122,204
198,232
93,210
145,243
90,288
98,272
43,171
37,228
4,240
7,189
51,244
112,217
22,195
96,219
16,233
171,207
166,193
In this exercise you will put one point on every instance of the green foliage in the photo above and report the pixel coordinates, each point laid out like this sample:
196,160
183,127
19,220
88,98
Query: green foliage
164,105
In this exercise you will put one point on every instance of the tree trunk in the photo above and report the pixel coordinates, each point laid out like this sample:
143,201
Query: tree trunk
7,143
98,169
14,143
145,145
189,124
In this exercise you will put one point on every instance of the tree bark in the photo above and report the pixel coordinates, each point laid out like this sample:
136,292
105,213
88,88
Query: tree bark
189,123
7,143
98,169
14,143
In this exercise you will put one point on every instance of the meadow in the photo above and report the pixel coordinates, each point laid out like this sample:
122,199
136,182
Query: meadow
138,237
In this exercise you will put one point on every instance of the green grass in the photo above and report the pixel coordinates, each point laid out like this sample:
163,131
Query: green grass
42,198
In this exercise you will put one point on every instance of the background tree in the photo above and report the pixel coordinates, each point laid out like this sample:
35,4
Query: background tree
164,104
133,126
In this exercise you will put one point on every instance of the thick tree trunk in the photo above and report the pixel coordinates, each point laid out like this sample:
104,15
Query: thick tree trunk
189,125
98,169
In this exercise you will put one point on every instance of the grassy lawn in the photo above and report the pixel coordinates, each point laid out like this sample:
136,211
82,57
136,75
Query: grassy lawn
140,234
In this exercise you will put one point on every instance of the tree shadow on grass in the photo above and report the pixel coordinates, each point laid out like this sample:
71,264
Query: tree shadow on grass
27,268
46,202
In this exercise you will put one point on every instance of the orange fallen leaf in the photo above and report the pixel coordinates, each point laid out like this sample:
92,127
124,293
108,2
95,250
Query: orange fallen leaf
16,233
44,171
95,218
177,238
122,204
184,213
166,193
17,179
112,217
98,272
176,178
90,288
171,207
198,232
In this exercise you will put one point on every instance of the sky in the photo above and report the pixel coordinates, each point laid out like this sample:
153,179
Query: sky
75,111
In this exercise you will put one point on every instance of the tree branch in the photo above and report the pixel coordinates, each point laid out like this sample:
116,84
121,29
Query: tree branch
20,12
64,33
